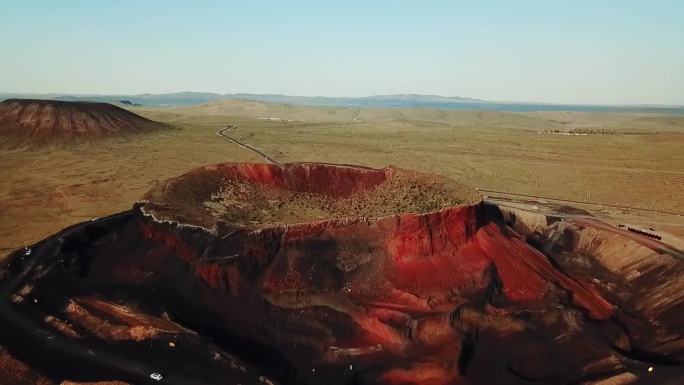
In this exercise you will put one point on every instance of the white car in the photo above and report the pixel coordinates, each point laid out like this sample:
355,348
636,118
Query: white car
156,376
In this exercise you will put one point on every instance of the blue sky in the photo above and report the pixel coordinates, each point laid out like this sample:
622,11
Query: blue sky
580,51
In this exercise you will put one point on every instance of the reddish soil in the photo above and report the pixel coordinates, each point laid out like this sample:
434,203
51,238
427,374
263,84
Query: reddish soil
325,274
52,120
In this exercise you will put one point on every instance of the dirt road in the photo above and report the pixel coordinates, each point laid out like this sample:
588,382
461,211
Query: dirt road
222,133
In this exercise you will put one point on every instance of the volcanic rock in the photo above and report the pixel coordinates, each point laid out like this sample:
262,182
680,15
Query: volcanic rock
331,274
53,121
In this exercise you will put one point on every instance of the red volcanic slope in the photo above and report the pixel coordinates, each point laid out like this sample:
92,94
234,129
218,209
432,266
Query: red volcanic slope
52,119
429,252
395,285
383,277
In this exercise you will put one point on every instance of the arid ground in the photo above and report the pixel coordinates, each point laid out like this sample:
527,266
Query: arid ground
620,159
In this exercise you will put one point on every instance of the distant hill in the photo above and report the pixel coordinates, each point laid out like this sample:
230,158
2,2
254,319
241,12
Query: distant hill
38,121
425,98
191,98
375,101
398,100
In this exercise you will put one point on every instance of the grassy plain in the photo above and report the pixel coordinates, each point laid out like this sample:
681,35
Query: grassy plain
45,189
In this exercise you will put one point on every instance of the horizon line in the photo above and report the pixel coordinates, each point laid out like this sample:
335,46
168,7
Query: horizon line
473,99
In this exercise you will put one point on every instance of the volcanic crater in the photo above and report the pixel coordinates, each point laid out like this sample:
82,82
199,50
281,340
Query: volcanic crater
262,195
310,273
53,121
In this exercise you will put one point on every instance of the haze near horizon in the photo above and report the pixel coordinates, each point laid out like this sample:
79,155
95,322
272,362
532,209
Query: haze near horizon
615,52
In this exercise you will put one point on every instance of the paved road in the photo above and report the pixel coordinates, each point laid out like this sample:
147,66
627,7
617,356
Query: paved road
222,132
505,195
